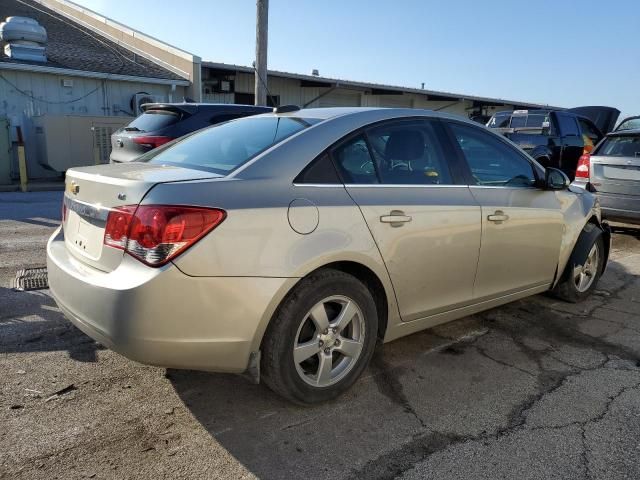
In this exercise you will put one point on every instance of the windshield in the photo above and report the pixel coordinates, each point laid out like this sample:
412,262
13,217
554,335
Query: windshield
224,147
629,124
620,146
153,120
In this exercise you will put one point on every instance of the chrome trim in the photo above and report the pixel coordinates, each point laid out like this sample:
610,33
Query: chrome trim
400,185
503,186
86,209
319,185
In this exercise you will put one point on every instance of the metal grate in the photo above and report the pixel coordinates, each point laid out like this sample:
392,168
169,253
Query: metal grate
31,279
102,142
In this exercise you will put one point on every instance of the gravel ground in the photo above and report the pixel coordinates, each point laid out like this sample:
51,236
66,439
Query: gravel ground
535,389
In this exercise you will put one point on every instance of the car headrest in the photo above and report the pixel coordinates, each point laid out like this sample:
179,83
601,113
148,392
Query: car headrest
405,145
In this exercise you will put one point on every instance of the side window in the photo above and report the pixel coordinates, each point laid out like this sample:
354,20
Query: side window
491,161
409,152
320,170
354,162
590,133
568,125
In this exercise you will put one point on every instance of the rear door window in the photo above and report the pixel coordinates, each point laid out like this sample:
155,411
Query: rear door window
492,162
409,152
152,120
354,161
568,125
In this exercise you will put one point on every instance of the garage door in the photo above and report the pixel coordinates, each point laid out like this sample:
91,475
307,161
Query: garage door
395,101
340,99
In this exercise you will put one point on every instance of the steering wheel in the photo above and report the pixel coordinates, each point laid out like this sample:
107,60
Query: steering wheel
519,180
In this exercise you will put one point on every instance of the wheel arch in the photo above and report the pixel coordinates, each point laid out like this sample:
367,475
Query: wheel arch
381,291
591,229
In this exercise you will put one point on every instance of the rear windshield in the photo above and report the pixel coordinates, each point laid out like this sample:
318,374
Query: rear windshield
222,148
620,146
152,120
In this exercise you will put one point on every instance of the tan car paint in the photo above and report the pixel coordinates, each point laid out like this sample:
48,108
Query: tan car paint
432,256
522,251
229,284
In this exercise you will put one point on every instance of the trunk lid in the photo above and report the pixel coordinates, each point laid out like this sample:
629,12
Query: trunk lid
619,175
90,192
603,117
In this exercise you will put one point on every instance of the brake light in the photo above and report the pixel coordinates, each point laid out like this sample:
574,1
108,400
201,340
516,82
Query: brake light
155,234
584,164
64,211
152,141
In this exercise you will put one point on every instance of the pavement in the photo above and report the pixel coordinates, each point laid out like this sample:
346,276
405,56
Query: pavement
535,389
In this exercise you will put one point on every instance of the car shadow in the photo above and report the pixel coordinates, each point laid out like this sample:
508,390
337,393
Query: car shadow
31,322
466,380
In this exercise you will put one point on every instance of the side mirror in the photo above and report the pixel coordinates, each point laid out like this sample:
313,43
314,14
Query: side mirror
555,179
546,128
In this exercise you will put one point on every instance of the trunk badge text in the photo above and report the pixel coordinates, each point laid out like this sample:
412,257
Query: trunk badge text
122,196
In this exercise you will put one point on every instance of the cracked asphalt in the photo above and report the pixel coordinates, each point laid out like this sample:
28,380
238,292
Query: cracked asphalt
535,389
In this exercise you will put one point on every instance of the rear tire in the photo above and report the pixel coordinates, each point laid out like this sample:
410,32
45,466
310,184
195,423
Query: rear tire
579,280
321,338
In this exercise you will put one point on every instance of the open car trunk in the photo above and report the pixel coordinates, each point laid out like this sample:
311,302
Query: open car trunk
91,192
603,117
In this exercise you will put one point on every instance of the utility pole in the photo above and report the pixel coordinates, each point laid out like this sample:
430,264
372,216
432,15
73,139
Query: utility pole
262,27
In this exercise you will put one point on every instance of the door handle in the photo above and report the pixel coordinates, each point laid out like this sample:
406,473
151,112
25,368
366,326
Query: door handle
396,218
498,217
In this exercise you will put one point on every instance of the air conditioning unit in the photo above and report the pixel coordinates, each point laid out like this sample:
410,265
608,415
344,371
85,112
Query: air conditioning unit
140,99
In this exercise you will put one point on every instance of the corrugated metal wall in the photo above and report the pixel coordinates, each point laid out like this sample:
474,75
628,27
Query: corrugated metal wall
26,95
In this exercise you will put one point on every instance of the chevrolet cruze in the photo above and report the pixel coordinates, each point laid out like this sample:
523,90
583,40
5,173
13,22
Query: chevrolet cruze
287,244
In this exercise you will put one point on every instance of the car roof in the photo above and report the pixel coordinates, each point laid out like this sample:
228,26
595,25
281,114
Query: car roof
624,133
192,107
380,113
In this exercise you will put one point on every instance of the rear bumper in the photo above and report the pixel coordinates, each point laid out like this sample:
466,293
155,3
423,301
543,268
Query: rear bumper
162,316
620,208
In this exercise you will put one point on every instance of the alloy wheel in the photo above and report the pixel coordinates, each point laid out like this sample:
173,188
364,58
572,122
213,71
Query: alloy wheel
329,341
584,275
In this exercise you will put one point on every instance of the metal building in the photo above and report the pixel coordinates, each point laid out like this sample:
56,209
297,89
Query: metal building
234,84
90,79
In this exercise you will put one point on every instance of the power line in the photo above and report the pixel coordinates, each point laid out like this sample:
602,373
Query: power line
27,94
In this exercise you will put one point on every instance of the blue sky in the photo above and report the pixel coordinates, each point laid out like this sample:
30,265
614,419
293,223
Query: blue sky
566,53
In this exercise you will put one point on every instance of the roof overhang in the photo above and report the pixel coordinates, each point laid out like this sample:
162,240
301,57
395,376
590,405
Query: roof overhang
98,75
375,88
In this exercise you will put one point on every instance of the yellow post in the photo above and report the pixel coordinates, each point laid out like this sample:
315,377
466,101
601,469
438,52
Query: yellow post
22,162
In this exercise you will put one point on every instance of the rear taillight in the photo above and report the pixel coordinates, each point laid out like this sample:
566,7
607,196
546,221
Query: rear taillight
152,141
64,211
583,166
155,234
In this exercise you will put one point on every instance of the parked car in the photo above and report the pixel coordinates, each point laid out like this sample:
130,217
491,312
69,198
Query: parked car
285,245
556,138
612,171
161,123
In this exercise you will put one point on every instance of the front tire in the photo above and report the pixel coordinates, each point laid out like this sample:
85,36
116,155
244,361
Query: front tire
321,338
581,277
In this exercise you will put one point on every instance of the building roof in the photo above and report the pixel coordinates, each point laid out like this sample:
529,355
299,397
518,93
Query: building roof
71,46
377,88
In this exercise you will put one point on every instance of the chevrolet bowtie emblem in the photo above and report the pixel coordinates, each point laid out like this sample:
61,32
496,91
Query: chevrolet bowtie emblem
74,187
